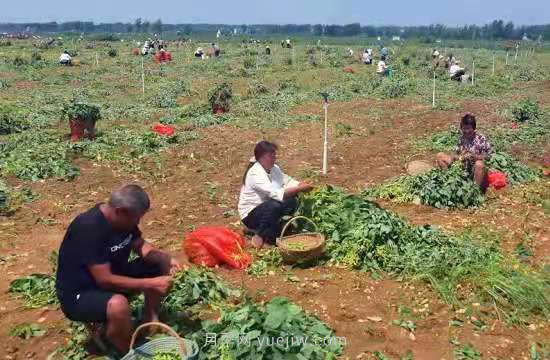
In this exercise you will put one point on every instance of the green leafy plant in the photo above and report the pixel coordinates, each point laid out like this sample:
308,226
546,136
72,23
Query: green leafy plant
37,290
439,188
80,110
34,156
220,97
194,286
12,119
467,352
258,324
166,355
361,235
112,52
515,171
526,110
27,331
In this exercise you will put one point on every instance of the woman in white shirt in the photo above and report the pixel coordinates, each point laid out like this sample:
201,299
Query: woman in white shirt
382,67
267,195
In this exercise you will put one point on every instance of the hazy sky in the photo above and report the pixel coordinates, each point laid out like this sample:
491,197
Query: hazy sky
376,12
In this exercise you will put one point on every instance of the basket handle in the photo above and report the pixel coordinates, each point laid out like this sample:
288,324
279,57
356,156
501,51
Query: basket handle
165,327
296,218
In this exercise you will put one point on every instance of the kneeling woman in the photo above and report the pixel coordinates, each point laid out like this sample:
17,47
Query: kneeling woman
267,195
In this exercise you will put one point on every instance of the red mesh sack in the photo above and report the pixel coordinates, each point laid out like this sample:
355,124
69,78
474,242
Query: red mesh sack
165,130
497,179
214,245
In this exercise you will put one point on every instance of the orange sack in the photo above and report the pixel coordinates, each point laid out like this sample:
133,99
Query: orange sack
216,245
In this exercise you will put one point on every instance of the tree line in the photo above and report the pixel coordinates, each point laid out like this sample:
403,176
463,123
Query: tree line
496,30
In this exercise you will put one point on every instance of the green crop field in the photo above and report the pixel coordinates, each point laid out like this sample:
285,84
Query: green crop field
416,267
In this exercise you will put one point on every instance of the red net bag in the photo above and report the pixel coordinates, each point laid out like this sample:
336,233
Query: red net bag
165,130
215,245
497,179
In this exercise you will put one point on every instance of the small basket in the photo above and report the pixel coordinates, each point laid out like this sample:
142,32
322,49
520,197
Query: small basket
314,248
187,349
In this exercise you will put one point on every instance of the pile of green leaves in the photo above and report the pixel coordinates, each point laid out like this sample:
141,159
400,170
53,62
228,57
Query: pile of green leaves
279,318
265,260
396,87
220,96
77,108
452,188
515,171
526,110
169,93
27,330
361,235
441,141
12,120
11,199
5,198
34,156
196,286
37,290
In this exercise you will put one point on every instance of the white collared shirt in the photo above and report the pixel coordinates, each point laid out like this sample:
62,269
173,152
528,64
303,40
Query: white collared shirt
454,69
65,57
260,186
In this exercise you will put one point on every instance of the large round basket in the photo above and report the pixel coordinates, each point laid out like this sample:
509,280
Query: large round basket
301,247
186,349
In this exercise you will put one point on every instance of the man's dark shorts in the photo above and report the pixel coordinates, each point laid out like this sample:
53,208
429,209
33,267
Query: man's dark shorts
91,305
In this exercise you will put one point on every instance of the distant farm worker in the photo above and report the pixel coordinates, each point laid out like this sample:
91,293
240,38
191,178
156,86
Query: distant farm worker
267,50
367,57
384,52
435,54
382,67
146,47
199,53
94,274
456,72
267,194
473,149
65,58
215,50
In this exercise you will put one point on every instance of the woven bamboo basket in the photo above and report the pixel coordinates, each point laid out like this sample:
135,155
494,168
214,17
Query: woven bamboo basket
301,247
186,349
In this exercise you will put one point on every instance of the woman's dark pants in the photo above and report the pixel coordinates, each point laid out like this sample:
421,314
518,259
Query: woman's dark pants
265,219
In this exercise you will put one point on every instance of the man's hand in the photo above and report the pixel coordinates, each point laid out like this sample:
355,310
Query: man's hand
160,284
174,266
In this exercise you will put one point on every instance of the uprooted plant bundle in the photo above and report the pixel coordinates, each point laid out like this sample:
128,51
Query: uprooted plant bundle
253,331
439,188
361,235
451,188
219,98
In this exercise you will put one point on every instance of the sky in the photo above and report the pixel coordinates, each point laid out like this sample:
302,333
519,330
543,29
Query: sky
373,12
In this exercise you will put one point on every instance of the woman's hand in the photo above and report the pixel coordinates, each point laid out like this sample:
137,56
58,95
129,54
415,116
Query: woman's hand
305,186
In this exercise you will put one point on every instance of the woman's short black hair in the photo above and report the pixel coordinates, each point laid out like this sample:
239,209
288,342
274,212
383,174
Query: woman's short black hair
262,148
468,120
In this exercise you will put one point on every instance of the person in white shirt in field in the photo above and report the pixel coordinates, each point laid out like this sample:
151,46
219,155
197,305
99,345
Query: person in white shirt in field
65,58
367,57
382,67
267,194
456,72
